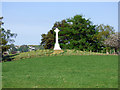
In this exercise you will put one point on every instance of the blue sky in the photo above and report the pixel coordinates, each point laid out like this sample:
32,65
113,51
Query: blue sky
31,19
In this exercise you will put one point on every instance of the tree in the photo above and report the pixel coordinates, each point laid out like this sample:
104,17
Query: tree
75,33
6,36
23,48
13,48
48,40
104,32
113,41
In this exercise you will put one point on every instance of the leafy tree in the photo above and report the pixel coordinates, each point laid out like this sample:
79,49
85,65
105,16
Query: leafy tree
48,40
23,48
104,32
75,33
113,41
13,48
6,36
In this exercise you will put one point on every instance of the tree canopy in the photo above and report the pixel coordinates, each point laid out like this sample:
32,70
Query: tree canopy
23,48
104,32
75,33
6,36
113,41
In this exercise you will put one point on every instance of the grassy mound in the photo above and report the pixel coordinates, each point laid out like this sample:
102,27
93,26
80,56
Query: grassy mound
90,71
43,53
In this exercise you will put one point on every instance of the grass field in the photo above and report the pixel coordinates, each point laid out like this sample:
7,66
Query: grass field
89,71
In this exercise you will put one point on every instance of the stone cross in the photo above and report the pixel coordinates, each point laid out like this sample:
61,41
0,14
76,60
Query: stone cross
57,46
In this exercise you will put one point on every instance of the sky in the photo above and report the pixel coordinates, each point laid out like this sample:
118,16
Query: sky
31,19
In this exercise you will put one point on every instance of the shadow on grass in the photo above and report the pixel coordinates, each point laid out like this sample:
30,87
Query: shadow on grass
8,57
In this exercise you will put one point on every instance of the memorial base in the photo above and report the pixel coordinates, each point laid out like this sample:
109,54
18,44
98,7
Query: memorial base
57,46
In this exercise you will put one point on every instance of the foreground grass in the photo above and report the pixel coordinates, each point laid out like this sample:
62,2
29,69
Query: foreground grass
62,72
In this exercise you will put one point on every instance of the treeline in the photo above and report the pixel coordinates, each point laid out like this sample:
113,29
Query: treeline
23,48
81,34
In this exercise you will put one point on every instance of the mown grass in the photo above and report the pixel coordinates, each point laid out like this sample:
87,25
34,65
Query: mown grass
85,71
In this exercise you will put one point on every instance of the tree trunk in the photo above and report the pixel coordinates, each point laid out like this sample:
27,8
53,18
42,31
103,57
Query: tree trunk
116,51
110,51
107,51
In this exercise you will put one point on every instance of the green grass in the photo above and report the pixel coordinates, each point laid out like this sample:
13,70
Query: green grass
62,72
